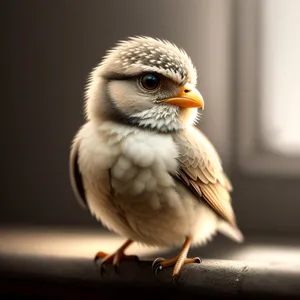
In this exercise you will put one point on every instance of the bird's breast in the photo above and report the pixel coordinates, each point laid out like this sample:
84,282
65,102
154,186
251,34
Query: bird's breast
140,163
143,169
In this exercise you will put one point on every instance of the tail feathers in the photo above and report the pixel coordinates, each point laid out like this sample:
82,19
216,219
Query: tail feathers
231,232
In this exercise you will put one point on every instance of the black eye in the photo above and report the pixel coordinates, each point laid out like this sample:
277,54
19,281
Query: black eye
150,81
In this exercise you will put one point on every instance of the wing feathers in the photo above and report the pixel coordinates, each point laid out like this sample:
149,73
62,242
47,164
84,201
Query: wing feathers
75,175
201,171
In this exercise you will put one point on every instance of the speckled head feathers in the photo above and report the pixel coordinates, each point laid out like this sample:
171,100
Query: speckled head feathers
146,54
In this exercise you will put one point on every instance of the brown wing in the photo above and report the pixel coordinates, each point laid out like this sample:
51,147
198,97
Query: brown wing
201,171
75,175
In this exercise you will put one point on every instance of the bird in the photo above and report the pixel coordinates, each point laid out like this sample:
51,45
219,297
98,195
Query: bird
139,164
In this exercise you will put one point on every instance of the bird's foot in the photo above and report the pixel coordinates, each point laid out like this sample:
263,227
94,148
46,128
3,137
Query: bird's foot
177,262
115,258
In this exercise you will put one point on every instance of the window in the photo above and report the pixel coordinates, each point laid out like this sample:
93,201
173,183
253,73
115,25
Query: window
280,73
268,86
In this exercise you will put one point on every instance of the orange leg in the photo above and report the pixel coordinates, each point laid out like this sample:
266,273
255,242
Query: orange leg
116,257
178,262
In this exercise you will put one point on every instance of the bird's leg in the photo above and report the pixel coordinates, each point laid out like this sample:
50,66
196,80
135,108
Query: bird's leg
178,261
116,257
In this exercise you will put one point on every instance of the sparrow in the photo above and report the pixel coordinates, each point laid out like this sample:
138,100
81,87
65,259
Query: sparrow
139,164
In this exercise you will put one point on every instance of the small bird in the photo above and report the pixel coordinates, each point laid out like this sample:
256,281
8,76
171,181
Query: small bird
139,164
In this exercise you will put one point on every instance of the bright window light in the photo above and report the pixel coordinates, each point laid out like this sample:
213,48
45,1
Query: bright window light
268,254
280,75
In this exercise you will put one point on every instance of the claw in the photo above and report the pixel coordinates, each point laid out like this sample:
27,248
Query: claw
157,261
174,279
157,269
102,269
160,263
116,269
114,258
198,260
157,266
100,255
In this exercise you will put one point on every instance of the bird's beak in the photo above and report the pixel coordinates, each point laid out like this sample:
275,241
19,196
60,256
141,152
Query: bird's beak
188,96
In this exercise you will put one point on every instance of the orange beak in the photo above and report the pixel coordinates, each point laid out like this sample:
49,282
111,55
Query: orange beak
188,97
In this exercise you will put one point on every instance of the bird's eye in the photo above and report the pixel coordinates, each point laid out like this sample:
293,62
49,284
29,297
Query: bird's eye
150,81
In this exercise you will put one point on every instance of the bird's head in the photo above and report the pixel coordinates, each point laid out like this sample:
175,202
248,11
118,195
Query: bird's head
145,82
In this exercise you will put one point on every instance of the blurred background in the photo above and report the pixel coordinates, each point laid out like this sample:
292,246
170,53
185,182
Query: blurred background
248,58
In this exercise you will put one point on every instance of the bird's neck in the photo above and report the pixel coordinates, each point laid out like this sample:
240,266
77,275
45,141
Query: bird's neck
164,118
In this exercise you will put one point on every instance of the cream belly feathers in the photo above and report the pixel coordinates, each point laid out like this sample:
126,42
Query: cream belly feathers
146,204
